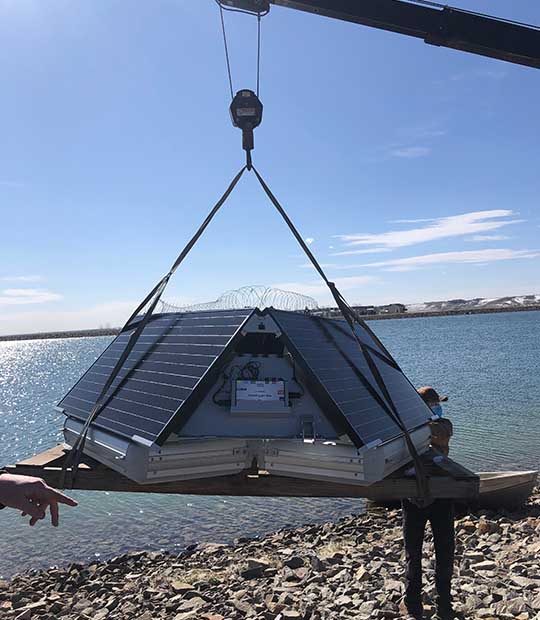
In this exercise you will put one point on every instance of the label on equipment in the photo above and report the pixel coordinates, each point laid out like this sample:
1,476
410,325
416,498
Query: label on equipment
260,390
245,112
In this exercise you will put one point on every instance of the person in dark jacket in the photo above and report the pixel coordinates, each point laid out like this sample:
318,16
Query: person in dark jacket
440,514
441,427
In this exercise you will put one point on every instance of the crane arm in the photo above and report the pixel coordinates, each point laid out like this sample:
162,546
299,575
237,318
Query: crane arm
434,23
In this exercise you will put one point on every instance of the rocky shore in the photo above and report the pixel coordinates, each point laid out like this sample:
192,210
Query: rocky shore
349,569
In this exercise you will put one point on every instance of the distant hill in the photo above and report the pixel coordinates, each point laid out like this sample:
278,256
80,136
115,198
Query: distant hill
446,307
478,303
388,311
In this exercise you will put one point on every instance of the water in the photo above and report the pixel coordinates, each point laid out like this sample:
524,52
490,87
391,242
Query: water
488,365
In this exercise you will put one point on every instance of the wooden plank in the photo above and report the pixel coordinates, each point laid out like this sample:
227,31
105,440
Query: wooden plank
455,470
97,477
44,458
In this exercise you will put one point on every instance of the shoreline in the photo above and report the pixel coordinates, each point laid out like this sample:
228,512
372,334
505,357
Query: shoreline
351,568
114,331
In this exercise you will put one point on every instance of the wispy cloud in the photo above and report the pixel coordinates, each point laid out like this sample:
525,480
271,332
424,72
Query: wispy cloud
309,240
488,238
411,152
26,296
315,288
414,221
467,256
409,142
21,278
452,226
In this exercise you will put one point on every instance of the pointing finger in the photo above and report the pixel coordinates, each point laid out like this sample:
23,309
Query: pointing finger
54,513
54,495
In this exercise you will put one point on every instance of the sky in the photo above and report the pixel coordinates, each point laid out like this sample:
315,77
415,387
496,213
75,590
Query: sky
410,170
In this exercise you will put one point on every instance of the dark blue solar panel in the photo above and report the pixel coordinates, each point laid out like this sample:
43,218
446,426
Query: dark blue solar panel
172,355
319,342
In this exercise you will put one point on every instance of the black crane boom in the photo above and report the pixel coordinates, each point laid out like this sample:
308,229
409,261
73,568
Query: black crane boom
436,24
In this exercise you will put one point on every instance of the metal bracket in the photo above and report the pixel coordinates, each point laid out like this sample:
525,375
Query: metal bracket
252,6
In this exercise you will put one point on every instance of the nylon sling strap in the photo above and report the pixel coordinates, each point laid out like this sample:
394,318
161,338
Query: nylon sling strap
351,317
72,462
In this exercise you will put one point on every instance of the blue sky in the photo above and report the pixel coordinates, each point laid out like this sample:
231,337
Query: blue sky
412,170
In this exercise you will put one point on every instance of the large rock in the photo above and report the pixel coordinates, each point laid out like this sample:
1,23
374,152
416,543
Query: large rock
181,587
254,568
294,562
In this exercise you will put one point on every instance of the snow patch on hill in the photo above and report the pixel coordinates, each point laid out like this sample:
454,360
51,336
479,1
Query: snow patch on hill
515,301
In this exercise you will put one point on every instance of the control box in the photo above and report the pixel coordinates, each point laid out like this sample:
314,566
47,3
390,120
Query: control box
260,396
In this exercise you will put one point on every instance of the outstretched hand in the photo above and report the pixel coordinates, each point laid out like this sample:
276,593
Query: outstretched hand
32,496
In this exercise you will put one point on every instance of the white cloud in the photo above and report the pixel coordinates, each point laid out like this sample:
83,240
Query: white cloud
488,238
320,288
472,256
26,296
21,278
411,152
414,221
444,227
309,240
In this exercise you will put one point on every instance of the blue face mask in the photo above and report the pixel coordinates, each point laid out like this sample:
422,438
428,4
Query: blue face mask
437,410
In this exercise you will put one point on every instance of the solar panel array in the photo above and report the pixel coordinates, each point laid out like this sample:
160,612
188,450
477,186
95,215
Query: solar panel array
168,361
318,342
176,350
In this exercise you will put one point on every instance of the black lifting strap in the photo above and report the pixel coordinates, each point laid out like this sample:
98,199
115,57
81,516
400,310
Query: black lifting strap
352,317
72,462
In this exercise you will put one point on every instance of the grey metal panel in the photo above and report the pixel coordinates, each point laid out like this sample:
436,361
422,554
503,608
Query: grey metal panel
209,419
171,357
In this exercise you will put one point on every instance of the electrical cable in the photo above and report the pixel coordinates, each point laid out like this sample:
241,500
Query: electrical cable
226,50
247,372
258,50
256,14
294,377
250,371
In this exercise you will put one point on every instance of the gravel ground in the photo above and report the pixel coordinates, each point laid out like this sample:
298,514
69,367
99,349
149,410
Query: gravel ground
349,569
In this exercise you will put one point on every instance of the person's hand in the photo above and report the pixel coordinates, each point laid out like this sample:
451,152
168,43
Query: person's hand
32,496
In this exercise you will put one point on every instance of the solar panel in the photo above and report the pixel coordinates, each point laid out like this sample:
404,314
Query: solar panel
161,376
324,345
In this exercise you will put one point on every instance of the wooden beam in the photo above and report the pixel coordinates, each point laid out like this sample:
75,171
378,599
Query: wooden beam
47,458
449,480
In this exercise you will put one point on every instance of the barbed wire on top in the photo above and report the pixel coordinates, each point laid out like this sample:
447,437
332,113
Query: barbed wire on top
253,296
